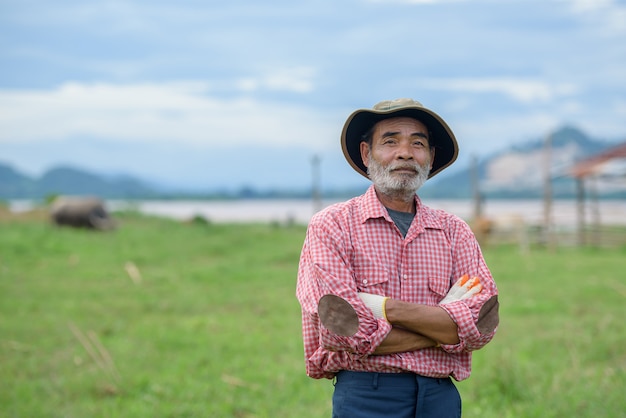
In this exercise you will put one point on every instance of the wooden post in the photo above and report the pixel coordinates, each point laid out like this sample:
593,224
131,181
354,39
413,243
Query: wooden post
547,193
478,199
595,211
580,200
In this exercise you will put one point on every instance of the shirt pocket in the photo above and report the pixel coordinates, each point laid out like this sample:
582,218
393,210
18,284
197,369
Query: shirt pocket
439,287
370,278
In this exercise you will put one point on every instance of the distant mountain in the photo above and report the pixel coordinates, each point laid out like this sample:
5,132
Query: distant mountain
69,181
514,173
14,184
519,171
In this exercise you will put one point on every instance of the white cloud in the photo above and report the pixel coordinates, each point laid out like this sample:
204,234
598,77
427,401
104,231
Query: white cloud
620,108
522,90
296,80
607,15
484,135
417,1
583,6
178,111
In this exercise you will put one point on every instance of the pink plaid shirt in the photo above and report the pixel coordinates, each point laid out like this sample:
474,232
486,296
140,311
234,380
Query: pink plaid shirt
353,247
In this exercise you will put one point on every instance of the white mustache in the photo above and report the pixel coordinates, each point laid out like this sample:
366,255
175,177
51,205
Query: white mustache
414,167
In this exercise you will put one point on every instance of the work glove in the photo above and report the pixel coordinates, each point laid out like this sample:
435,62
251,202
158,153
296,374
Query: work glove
463,288
376,303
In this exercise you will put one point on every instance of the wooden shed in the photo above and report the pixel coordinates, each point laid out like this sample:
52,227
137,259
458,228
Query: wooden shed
609,164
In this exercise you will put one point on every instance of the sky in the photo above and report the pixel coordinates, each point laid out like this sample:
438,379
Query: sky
229,94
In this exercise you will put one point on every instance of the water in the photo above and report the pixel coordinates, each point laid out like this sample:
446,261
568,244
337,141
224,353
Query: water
531,212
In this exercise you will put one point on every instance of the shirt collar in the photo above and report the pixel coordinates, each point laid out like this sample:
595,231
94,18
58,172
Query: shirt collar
372,208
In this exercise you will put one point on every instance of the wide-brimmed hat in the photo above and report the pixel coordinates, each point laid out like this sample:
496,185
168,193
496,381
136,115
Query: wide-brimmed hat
362,120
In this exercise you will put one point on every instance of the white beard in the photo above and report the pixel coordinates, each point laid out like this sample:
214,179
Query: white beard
400,186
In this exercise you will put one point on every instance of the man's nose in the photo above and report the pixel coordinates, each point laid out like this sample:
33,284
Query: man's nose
404,151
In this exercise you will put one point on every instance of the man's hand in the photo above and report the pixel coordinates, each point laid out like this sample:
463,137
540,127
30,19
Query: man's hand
463,289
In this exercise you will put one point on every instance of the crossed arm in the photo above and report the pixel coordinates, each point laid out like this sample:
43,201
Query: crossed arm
415,327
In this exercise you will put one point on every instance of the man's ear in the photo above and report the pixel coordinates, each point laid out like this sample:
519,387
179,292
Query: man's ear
365,152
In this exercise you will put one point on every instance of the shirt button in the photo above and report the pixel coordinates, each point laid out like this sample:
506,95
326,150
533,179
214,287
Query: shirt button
405,277
365,281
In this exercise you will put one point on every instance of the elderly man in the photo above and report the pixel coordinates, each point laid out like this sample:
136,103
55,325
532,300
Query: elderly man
388,307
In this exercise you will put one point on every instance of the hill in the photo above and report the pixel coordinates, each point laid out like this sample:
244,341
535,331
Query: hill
519,171
514,173
69,181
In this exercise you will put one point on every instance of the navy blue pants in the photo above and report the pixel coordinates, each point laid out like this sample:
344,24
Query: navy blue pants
394,395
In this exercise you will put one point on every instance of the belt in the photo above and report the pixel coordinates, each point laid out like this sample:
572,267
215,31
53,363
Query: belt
383,379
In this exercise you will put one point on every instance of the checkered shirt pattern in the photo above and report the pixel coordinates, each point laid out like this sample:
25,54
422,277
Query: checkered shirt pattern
353,247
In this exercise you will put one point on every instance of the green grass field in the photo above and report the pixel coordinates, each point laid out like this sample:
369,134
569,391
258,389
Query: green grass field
168,319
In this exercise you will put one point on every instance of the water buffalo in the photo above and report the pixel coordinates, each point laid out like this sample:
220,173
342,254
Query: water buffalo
81,212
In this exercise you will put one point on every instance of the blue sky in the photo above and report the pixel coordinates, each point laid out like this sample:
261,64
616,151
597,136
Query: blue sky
231,93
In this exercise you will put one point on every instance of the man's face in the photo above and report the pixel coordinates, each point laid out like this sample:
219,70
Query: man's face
400,157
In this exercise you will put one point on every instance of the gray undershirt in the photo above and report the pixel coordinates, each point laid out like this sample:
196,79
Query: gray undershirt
402,220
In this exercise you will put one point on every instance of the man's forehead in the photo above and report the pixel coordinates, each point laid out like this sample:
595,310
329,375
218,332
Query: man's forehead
398,122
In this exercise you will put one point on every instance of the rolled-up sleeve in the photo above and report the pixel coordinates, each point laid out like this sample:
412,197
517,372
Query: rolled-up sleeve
360,345
325,269
466,313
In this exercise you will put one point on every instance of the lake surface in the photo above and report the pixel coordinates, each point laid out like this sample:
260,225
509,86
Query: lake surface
531,212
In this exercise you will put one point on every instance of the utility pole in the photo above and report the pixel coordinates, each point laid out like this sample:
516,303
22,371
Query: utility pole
316,194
